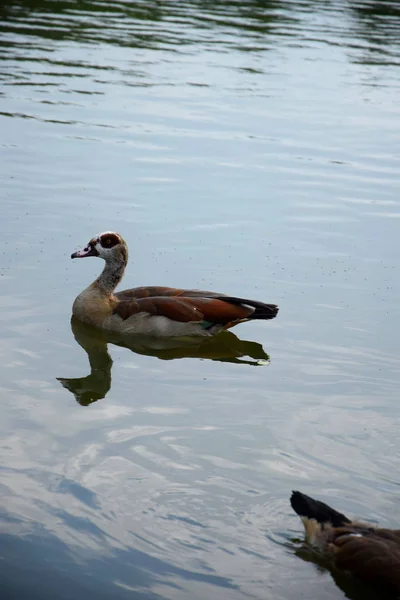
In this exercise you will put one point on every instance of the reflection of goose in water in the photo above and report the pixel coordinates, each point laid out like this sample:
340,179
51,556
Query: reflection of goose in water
225,347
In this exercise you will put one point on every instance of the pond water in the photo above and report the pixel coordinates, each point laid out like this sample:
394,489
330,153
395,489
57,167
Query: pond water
246,147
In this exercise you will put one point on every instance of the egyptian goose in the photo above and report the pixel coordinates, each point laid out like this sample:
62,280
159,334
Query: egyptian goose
369,553
156,311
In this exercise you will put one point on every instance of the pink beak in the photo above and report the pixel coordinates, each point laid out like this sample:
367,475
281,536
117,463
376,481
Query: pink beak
88,250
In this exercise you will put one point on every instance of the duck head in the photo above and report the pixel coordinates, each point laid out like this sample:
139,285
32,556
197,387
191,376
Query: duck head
108,245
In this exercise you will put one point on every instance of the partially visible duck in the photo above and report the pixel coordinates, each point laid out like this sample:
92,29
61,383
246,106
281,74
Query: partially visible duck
369,553
157,311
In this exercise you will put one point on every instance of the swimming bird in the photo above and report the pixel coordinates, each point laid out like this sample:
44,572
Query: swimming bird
155,310
369,553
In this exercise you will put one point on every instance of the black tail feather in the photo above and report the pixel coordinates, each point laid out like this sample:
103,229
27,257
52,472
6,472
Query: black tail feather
305,506
262,311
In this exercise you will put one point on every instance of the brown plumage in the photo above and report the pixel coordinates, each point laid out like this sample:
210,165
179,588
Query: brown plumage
369,553
155,310
188,305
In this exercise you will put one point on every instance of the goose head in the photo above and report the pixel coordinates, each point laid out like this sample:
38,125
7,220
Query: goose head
109,246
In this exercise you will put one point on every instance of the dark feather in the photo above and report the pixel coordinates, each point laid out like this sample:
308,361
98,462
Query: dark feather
305,506
262,311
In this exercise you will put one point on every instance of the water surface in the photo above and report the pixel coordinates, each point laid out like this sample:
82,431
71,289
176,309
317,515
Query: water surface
250,148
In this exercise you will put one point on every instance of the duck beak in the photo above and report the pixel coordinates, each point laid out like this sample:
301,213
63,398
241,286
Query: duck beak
88,250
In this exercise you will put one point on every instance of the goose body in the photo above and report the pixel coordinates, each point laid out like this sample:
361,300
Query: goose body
369,553
155,310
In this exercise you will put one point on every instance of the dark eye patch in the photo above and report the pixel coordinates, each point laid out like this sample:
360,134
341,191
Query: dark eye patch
109,240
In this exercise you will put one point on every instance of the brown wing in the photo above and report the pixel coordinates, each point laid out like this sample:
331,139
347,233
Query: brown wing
373,556
183,309
161,292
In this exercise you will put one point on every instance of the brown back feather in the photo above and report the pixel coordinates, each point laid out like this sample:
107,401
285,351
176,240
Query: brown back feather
191,305
373,557
183,309
152,291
